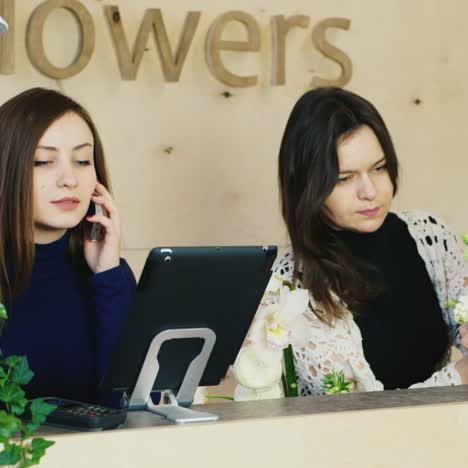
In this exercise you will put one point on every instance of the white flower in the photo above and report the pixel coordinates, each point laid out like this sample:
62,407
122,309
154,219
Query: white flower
461,310
242,393
257,367
281,324
200,397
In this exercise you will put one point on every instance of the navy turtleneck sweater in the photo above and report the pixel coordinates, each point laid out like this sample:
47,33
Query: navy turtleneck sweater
404,335
67,324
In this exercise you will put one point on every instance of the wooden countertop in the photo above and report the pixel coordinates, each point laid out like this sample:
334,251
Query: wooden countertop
425,428
287,407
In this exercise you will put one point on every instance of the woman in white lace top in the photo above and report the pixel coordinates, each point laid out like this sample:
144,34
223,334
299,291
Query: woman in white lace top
379,282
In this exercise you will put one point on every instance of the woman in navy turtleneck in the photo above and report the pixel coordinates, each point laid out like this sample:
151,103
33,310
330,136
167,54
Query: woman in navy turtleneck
66,294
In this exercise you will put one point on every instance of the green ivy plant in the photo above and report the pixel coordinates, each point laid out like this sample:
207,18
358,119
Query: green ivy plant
19,449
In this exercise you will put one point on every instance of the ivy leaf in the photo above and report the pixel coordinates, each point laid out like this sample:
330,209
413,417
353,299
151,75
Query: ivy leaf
39,447
3,376
17,407
13,361
11,454
22,374
3,312
9,425
39,412
28,430
35,452
11,392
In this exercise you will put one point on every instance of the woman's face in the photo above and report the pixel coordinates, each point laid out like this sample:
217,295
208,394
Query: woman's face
64,177
362,196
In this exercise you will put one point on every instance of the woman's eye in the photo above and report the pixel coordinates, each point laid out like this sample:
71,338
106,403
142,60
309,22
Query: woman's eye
41,163
341,180
84,162
380,168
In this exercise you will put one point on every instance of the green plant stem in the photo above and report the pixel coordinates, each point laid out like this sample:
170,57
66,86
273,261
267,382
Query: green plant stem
222,397
289,375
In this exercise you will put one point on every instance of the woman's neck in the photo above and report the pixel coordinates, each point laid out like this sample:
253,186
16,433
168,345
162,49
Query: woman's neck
46,236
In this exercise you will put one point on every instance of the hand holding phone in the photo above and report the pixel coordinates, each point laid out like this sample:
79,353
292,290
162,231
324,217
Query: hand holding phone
95,233
102,231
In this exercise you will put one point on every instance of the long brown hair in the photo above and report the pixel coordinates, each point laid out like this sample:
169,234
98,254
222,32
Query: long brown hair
23,121
308,173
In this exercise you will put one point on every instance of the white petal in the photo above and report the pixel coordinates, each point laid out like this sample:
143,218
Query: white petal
200,396
242,393
275,283
258,368
295,305
300,332
258,331
275,391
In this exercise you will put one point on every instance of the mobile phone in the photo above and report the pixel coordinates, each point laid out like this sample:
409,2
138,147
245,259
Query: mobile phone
95,230
84,416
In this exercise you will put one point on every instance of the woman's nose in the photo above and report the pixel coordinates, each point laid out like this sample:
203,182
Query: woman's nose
367,189
67,177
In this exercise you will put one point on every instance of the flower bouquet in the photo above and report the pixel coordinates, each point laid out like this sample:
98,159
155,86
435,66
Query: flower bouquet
264,368
267,359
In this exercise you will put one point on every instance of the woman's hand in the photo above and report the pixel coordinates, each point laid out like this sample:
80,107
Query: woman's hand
104,254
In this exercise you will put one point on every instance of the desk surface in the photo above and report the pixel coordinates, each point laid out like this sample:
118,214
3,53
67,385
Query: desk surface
287,407
402,428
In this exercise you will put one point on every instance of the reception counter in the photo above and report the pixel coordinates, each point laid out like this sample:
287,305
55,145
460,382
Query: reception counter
392,429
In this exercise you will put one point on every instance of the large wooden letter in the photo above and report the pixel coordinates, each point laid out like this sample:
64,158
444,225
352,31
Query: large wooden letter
279,30
7,41
335,54
35,44
129,63
214,45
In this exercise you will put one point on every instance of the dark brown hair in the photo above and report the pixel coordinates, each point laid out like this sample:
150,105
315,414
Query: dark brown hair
23,121
308,173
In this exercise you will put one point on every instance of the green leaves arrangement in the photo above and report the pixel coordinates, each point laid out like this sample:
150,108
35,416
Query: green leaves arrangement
14,432
335,382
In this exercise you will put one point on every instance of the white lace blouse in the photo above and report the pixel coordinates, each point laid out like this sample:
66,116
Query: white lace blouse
339,346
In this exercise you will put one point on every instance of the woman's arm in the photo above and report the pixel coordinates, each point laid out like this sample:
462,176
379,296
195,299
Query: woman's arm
441,251
336,347
112,292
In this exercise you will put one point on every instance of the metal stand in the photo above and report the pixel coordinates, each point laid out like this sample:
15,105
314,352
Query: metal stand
141,399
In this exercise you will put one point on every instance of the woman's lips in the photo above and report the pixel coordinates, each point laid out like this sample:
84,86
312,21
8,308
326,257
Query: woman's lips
370,213
66,203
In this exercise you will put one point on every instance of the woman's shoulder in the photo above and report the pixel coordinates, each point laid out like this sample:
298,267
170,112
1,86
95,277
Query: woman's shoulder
436,241
421,218
424,226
